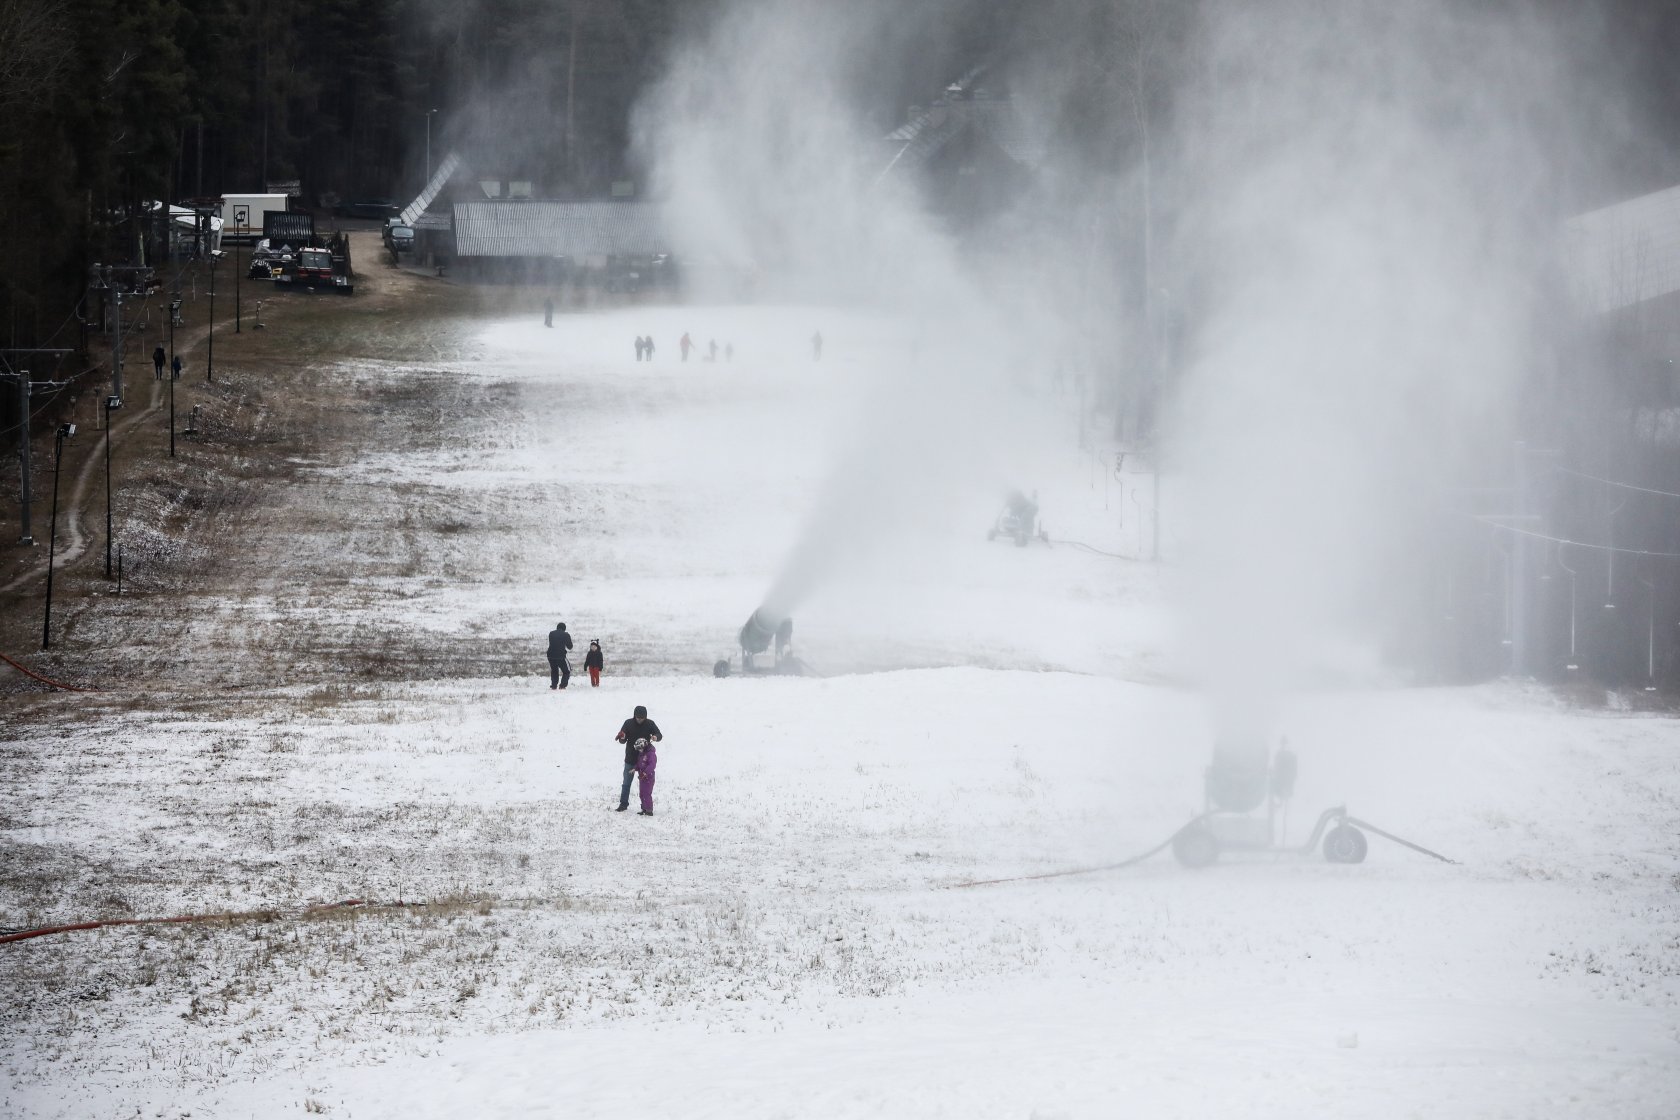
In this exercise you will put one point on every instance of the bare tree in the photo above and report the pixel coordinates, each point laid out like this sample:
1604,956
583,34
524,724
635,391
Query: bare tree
34,46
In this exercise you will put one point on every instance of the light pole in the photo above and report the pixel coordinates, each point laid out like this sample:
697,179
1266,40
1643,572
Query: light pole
174,311
65,431
210,352
241,220
111,402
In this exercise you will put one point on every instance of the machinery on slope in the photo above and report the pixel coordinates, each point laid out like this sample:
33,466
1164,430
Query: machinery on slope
1019,521
1246,776
765,631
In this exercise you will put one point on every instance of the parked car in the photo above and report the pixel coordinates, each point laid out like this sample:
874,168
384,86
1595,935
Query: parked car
398,237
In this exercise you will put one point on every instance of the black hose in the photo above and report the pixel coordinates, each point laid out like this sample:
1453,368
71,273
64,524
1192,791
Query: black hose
1093,550
1369,827
1162,846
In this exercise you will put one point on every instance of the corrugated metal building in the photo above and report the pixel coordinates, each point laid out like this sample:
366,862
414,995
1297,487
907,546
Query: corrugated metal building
579,231
1627,253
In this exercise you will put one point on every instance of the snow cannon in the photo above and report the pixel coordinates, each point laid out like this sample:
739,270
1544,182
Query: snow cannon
762,628
1245,776
1236,781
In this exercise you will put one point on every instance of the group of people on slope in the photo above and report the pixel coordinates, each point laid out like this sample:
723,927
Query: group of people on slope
560,669
159,357
686,344
638,734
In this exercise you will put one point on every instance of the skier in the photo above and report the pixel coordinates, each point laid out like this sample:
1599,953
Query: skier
559,673
158,358
646,759
637,728
594,661
687,344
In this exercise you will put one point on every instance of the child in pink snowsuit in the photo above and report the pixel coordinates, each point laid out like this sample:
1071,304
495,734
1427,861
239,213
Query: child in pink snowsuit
646,759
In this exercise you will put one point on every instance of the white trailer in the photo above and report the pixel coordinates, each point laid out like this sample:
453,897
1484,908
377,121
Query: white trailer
250,208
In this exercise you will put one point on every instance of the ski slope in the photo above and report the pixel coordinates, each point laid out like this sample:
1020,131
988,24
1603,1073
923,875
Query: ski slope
791,933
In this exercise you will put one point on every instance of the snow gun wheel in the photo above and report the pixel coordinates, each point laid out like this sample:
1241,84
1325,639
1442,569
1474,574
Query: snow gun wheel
1345,844
1195,846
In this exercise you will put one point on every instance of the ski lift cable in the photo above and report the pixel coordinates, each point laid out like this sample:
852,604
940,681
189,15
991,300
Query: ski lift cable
1613,482
44,406
1497,524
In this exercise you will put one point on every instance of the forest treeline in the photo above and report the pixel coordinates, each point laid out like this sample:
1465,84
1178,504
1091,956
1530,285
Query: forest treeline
105,104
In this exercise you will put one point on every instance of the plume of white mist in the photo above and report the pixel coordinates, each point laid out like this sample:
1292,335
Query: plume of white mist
1366,237
764,163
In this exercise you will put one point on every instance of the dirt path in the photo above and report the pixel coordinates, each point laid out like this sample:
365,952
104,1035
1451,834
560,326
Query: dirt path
225,516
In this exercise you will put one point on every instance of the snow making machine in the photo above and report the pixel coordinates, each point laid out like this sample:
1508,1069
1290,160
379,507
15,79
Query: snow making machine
1247,791
765,631
1018,521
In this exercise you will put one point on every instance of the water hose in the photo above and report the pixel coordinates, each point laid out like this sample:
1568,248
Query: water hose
44,680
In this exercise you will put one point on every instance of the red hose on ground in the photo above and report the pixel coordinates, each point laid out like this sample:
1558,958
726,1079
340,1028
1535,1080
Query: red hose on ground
44,680
26,934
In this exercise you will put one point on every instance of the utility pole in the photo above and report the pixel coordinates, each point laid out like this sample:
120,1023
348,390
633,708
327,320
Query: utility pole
25,388
241,220
65,431
210,349
1519,563
116,341
430,113
24,534
110,403
174,312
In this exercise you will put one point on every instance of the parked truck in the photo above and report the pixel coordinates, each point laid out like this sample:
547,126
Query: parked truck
317,268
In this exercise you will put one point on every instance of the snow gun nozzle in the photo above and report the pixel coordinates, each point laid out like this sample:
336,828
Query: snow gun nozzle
764,628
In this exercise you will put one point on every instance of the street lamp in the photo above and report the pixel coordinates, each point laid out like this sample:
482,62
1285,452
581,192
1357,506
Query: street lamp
65,431
111,403
210,352
174,372
241,220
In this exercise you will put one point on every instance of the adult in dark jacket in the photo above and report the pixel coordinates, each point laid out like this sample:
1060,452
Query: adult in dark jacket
158,358
559,672
638,726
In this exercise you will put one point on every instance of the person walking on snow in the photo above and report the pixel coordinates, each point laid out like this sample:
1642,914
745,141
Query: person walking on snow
641,345
548,312
559,673
687,344
646,759
637,728
175,364
650,348
594,662
158,358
